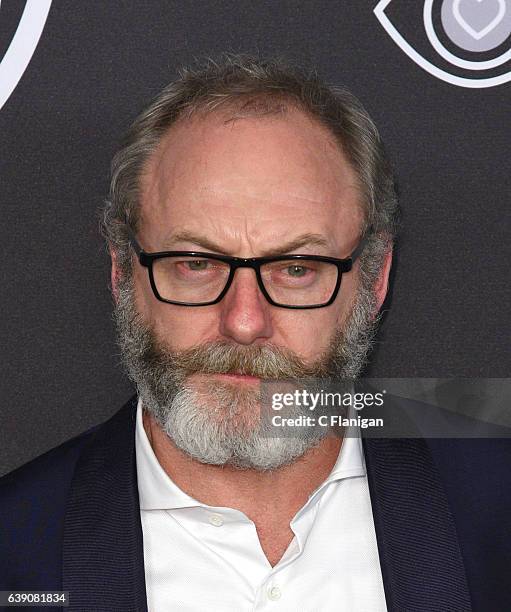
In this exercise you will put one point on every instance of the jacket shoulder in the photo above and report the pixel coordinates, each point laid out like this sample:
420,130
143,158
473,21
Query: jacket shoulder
33,501
49,470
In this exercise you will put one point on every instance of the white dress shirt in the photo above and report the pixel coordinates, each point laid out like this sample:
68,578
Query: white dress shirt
199,557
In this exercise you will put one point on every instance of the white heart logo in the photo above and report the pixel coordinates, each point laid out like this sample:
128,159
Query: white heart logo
478,34
22,47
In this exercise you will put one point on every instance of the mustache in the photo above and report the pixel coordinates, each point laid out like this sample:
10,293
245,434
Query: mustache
266,361
148,357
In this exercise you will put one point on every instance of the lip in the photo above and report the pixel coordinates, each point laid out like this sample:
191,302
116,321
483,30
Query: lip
239,377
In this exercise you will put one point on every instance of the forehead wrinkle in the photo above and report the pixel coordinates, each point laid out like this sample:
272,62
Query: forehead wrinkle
220,239
303,240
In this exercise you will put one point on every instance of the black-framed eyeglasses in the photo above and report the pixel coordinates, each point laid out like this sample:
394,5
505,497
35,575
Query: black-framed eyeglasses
194,278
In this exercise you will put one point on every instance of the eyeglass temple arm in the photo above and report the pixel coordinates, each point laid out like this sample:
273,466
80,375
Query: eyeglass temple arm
133,241
361,246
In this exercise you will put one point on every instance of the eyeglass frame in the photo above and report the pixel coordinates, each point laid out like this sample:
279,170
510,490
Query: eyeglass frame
343,265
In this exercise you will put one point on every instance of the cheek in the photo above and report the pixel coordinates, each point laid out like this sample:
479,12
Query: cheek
183,328
176,326
306,333
310,333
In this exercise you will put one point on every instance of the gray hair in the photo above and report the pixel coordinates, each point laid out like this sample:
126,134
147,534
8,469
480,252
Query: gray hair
250,86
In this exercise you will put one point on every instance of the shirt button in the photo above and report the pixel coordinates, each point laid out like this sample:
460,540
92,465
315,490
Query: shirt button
274,593
216,520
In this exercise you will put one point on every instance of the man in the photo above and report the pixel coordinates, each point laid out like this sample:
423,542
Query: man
250,223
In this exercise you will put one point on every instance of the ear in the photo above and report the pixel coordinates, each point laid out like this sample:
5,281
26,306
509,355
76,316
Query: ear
115,274
382,282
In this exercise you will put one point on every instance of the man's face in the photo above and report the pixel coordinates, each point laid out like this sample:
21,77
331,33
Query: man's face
247,188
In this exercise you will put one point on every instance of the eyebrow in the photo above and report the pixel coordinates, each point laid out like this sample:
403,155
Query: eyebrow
304,240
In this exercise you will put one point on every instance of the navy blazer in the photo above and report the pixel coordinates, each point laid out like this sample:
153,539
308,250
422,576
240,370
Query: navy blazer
70,520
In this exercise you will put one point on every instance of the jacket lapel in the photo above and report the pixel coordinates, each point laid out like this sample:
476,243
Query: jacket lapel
420,556
103,559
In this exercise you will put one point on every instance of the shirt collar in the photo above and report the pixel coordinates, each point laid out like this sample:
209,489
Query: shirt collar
157,491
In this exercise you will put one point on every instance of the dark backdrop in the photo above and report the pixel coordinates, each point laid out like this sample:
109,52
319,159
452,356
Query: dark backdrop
98,63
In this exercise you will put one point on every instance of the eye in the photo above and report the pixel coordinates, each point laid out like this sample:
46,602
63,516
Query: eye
294,270
200,266
196,267
293,273
462,42
197,264
297,271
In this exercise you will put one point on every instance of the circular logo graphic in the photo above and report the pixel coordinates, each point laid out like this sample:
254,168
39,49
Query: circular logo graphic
23,44
477,25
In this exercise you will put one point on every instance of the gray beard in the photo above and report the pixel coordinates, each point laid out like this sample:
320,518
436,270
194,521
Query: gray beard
224,424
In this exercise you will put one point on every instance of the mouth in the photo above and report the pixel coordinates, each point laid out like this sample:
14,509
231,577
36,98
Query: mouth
237,377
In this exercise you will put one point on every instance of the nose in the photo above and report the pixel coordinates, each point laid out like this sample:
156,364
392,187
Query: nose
245,313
